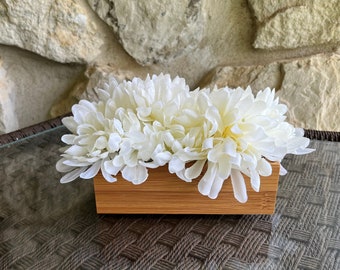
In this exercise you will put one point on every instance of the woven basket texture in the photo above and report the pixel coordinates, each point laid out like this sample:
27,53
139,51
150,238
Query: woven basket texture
47,225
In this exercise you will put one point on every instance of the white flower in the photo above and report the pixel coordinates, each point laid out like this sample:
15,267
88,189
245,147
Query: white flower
189,129
143,124
154,99
165,108
93,140
123,132
141,147
249,131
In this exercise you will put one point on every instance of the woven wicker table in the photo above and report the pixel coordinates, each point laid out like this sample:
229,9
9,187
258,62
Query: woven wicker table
47,225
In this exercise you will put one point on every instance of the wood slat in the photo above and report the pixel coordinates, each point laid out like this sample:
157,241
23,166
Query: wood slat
164,193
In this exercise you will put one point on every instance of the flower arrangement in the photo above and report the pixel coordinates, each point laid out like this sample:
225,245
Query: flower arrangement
209,133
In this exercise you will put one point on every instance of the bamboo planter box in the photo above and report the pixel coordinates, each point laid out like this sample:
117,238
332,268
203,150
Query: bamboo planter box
164,193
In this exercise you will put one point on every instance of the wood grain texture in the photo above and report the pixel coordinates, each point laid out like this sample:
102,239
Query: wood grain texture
164,193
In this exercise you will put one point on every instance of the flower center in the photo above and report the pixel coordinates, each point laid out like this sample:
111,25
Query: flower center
236,137
227,133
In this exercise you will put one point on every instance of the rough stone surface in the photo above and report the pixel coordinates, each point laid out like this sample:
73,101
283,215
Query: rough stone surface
153,31
255,76
309,86
94,77
57,29
8,119
311,89
185,38
35,83
296,23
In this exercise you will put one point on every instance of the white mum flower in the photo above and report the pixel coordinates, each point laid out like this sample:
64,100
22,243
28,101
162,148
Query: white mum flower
154,99
189,130
141,147
142,124
93,141
125,131
165,108
248,133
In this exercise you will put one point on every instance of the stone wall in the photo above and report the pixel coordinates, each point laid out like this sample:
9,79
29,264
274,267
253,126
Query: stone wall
54,52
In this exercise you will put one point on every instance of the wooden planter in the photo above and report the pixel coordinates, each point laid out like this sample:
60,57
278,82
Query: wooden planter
164,193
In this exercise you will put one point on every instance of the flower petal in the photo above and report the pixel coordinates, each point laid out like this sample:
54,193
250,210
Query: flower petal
206,182
110,168
195,170
61,167
176,165
91,171
239,186
162,158
181,175
255,180
208,143
283,171
137,174
72,175
76,163
101,143
68,138
114,142
76,150
263,167
108,177
70,123
216,187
